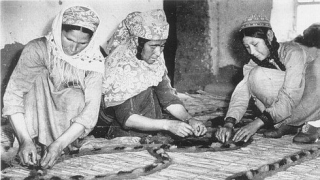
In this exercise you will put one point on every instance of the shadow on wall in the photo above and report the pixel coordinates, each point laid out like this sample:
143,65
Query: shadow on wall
230,75
236,48
238,53
169,7
9,57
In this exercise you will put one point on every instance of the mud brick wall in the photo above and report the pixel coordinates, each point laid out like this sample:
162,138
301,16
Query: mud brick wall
192,66
208,47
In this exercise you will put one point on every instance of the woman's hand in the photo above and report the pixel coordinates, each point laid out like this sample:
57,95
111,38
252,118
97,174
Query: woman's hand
55,149
52,154
27,149
244,133
179,128
224,133
28,153
199,128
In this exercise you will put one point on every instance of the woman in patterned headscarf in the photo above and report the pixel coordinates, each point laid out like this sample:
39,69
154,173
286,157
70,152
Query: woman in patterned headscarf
136,86
54,93
277,80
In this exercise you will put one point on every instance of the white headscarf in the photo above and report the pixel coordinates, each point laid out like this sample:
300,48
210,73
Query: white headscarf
90,58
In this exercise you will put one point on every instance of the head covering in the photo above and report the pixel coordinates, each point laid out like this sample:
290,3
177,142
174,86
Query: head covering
150,25
255,20
81,16
90,58
125,75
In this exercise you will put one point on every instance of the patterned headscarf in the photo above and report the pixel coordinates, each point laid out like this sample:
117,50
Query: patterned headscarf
125,75
90,58
81,16
151,25
255,20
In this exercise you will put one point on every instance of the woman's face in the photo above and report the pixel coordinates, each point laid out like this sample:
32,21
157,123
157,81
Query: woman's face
152,50
256,47
74,41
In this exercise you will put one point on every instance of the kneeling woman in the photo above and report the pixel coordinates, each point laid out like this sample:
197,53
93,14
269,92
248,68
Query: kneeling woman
136,86
277,80
54,93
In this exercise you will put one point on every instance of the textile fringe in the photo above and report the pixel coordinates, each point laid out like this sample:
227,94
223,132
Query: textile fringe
66,73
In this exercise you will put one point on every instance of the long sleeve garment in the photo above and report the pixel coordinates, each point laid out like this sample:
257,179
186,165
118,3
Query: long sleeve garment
48,110
277,92
309,107
162,95
148,103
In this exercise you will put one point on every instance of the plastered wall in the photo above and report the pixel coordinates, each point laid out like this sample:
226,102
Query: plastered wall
226,17
208,43
202,48
193,61
22,21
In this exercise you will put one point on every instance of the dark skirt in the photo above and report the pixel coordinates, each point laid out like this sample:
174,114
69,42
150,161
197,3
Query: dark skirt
145,104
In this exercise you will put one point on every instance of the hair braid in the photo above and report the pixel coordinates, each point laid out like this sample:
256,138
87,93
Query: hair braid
273,48
261,32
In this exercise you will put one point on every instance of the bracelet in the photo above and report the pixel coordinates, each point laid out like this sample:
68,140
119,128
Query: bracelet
230,120
266,118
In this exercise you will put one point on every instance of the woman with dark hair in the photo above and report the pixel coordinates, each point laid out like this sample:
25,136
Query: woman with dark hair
136,86
54,93
310,37
274,78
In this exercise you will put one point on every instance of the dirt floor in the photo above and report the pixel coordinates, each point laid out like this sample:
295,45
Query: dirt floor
263,158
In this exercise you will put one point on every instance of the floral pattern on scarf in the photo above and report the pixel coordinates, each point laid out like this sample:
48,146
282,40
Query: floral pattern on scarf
81,16
150,25
127,76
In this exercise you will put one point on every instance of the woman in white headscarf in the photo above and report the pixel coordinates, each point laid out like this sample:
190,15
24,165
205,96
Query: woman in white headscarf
136,85
54,93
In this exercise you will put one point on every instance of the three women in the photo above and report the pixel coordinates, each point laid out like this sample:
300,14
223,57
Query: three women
53,95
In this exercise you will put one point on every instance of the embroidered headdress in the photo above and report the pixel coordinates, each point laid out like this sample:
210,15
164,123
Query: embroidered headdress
125,75
150,25
255,20
81,16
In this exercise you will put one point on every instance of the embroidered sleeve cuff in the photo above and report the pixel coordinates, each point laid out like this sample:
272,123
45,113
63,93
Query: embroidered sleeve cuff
230,120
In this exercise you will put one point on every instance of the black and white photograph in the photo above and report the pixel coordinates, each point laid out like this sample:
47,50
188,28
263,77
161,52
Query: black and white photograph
160,89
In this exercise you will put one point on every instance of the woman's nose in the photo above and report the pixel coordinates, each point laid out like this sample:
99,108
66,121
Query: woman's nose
157,51
252,50
74,47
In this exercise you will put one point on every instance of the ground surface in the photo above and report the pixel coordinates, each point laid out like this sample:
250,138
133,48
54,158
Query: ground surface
205,165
